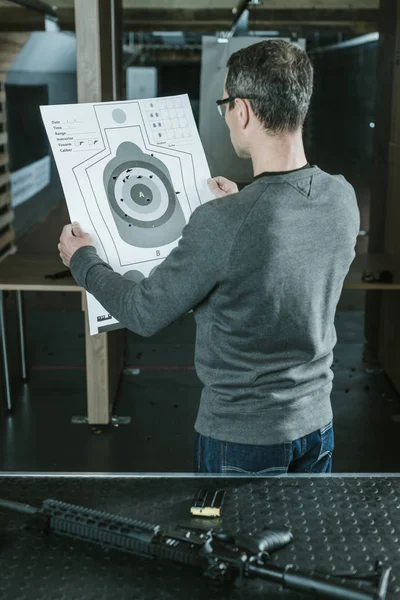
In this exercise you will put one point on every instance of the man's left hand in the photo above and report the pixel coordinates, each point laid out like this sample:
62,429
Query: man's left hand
72,238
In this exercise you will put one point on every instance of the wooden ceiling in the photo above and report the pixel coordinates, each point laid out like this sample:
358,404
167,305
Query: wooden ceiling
355,16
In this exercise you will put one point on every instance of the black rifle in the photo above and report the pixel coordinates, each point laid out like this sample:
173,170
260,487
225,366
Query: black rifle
222,557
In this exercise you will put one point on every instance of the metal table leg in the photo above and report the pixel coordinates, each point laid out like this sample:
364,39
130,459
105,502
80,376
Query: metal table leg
4,349
21,322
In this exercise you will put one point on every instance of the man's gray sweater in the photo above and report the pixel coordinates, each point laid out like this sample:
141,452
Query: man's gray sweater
263,270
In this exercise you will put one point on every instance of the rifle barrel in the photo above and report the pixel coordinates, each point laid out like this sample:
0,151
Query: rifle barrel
18,506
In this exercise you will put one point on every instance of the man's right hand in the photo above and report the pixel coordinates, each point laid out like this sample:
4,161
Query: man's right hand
220,186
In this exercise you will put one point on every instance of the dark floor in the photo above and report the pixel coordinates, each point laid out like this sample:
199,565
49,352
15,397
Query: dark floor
160,392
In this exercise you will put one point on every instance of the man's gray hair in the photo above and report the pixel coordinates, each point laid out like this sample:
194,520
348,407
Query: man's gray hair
277,78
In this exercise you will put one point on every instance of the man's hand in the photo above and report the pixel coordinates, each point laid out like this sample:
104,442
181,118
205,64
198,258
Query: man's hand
72,238
220,186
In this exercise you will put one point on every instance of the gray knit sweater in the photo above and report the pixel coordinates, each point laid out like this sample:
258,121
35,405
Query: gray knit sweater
263,270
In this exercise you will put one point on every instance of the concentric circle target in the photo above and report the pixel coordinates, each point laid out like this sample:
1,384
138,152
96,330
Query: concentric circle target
141,194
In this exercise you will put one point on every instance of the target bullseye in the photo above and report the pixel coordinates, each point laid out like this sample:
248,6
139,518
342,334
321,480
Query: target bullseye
141,194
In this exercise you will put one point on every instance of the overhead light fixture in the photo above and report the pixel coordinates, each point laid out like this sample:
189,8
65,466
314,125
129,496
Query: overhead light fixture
240,25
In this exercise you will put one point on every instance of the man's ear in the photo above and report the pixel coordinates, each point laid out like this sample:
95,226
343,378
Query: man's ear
243,112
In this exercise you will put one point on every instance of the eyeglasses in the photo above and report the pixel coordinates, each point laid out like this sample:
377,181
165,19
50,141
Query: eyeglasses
221,104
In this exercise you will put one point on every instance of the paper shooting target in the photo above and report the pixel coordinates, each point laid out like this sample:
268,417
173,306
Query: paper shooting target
142,198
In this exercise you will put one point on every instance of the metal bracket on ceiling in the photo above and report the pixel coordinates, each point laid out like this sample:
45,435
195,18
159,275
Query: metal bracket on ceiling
240,25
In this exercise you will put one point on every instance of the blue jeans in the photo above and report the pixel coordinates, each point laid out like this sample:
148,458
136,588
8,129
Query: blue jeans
309,454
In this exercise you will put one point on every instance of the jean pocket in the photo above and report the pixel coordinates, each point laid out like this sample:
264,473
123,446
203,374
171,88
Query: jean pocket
322,462
244,459
327,440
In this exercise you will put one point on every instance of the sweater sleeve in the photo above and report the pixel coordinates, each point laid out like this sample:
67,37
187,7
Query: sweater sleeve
182,280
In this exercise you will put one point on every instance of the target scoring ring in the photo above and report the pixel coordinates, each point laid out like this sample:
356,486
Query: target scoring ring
149,206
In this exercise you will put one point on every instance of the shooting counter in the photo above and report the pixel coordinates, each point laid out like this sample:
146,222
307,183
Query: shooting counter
339,524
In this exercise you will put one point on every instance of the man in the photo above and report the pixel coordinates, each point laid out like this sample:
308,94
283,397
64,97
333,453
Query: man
263,270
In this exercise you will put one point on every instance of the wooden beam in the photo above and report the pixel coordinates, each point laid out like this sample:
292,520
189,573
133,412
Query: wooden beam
17,19
94,51
222,4
361,21
354,18
96,84
97,377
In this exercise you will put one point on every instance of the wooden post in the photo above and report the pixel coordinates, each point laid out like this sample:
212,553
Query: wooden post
379,185
390,314
98,35
104,362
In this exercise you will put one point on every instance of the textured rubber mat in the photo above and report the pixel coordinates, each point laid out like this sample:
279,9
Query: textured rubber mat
339,524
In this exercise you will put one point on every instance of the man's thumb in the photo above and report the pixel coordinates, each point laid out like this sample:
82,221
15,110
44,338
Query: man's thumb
76,230
212,184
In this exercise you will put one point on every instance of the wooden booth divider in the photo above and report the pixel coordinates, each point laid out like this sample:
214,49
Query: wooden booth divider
7,235
10,46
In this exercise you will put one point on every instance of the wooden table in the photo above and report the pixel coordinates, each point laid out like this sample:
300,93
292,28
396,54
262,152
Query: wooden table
373,263
104,352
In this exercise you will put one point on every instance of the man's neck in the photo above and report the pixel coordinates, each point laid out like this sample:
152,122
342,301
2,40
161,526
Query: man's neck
283,153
